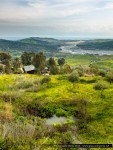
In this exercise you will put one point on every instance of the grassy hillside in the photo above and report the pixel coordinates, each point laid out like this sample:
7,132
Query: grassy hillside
23,114
30,45
97,44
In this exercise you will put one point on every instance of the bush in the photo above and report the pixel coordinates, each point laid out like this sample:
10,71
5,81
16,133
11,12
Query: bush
100,86
94,69
3,145
45,80
61,112
10,96
54,70
24,85
102,73
109,76
74,77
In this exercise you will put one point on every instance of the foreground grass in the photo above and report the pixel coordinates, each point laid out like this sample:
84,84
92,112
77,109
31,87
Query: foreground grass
24,103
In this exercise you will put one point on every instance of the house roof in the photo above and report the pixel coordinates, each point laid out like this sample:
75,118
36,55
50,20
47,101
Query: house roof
29,68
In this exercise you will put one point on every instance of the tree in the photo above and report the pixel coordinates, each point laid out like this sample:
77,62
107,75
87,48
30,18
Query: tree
61,61
39,61
51,62
27,58
74,77
54,70
52,66
4,56
5,59
16,64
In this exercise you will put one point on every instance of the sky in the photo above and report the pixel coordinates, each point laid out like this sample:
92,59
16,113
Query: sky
56,18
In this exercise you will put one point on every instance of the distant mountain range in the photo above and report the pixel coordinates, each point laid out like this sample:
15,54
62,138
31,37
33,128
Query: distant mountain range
50,45
33,44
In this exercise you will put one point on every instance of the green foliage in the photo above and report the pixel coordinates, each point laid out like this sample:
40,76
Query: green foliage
61,61
32,44
74,77
51,62
27,58
20,121
65,69
109,76
16,65
5,59
60,112
10,96
2,68
4,56
45,80
100,86
3,145
39,61
94,69
102,73
54,70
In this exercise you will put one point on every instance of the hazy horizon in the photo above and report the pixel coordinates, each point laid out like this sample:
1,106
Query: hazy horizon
59,38
56,18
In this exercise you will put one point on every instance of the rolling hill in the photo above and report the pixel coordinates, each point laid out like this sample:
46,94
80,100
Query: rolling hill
33,44
106,44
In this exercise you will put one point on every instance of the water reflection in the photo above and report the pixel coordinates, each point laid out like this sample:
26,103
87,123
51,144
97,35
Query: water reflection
56,119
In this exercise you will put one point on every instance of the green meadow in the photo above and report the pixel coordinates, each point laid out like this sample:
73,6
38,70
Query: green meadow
27,101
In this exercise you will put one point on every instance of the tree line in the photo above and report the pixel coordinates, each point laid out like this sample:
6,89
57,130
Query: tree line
39,60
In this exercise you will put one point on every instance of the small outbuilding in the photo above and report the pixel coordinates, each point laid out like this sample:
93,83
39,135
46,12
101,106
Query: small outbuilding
29,69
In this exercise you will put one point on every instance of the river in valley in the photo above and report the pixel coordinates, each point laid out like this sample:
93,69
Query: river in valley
73,49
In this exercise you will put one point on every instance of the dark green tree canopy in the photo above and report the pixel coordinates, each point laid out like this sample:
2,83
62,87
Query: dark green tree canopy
61,61
27,58
39,61
51,62
5,59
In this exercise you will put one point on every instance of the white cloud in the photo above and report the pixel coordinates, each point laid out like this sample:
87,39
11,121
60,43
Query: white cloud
58,16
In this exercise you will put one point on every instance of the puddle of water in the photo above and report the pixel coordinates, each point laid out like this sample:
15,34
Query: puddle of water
56,119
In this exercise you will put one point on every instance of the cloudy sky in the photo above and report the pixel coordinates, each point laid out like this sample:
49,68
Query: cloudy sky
56,18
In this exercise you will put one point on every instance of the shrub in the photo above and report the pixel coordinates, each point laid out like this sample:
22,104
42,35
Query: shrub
74,77
66,138
24,85
100,86
60,112
6,114
102,73
94,69
10,96
109,76
45,80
